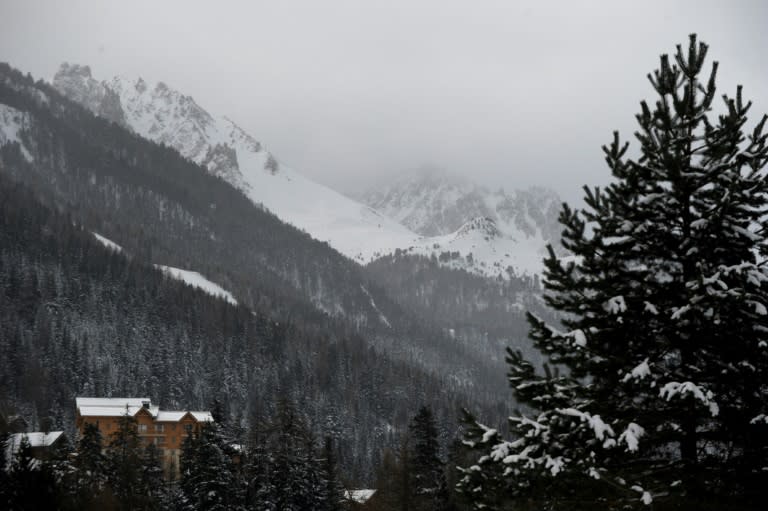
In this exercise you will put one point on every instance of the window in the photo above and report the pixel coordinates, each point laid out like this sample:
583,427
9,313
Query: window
159,428
188,428
159,440
142,428
173,427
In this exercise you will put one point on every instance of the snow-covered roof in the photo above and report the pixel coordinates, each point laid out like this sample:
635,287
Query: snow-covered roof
110,401
119,406
113,406
359,496
169,416
175,416
35,439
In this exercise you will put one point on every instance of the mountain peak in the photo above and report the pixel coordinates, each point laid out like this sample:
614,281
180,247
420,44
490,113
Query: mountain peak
500,229
76,82
160,113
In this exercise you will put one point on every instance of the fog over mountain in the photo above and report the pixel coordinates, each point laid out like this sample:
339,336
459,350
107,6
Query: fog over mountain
511,94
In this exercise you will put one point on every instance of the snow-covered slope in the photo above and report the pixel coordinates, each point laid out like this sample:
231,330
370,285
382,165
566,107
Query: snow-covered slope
499,229
108,243
479,246
464,225
195,279
433,202
164,115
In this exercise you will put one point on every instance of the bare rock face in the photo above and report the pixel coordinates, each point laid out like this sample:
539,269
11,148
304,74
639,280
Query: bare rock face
76,82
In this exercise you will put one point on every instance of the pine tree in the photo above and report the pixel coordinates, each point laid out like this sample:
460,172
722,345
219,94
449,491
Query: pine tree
207,481
152,484
333,491
125,464
428,486
658,393
32,482
90,467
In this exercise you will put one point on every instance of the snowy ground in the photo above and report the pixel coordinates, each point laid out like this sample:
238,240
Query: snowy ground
197,280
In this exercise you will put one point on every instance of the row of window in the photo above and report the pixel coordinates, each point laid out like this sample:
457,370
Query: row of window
159,428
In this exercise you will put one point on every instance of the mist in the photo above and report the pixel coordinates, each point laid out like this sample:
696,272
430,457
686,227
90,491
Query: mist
349,93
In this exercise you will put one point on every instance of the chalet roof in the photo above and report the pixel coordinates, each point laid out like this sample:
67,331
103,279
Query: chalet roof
35,439
176,416
358,496
119,406
112,406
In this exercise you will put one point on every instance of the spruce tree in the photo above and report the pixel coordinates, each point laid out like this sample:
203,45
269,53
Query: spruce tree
90,467
427,469
207,481
125,464
333,490
31,481
151,483
658,393
5,484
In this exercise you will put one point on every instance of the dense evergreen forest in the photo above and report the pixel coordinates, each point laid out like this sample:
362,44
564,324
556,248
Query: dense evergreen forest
486,315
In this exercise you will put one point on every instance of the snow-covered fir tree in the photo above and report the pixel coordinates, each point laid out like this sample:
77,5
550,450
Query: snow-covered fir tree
658,394
207,479
427,469
125,465
90,468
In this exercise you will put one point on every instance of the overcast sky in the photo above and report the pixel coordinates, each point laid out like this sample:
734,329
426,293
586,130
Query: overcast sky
510,93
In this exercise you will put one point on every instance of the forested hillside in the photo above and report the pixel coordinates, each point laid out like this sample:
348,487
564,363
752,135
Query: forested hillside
485,315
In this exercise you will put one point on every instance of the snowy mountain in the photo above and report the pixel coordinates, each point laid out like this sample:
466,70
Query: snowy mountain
465,226
432,202
166,116
499,229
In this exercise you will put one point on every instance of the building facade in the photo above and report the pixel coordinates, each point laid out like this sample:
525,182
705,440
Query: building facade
164,428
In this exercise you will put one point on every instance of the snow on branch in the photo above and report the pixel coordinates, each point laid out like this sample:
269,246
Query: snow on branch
600,428
673,389
645,496
579,339
631,436
615,305
639,372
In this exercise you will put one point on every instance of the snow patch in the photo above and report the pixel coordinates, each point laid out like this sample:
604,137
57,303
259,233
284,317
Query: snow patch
673,389
107,242
615,305
642,370
195,279
382,317
631,436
